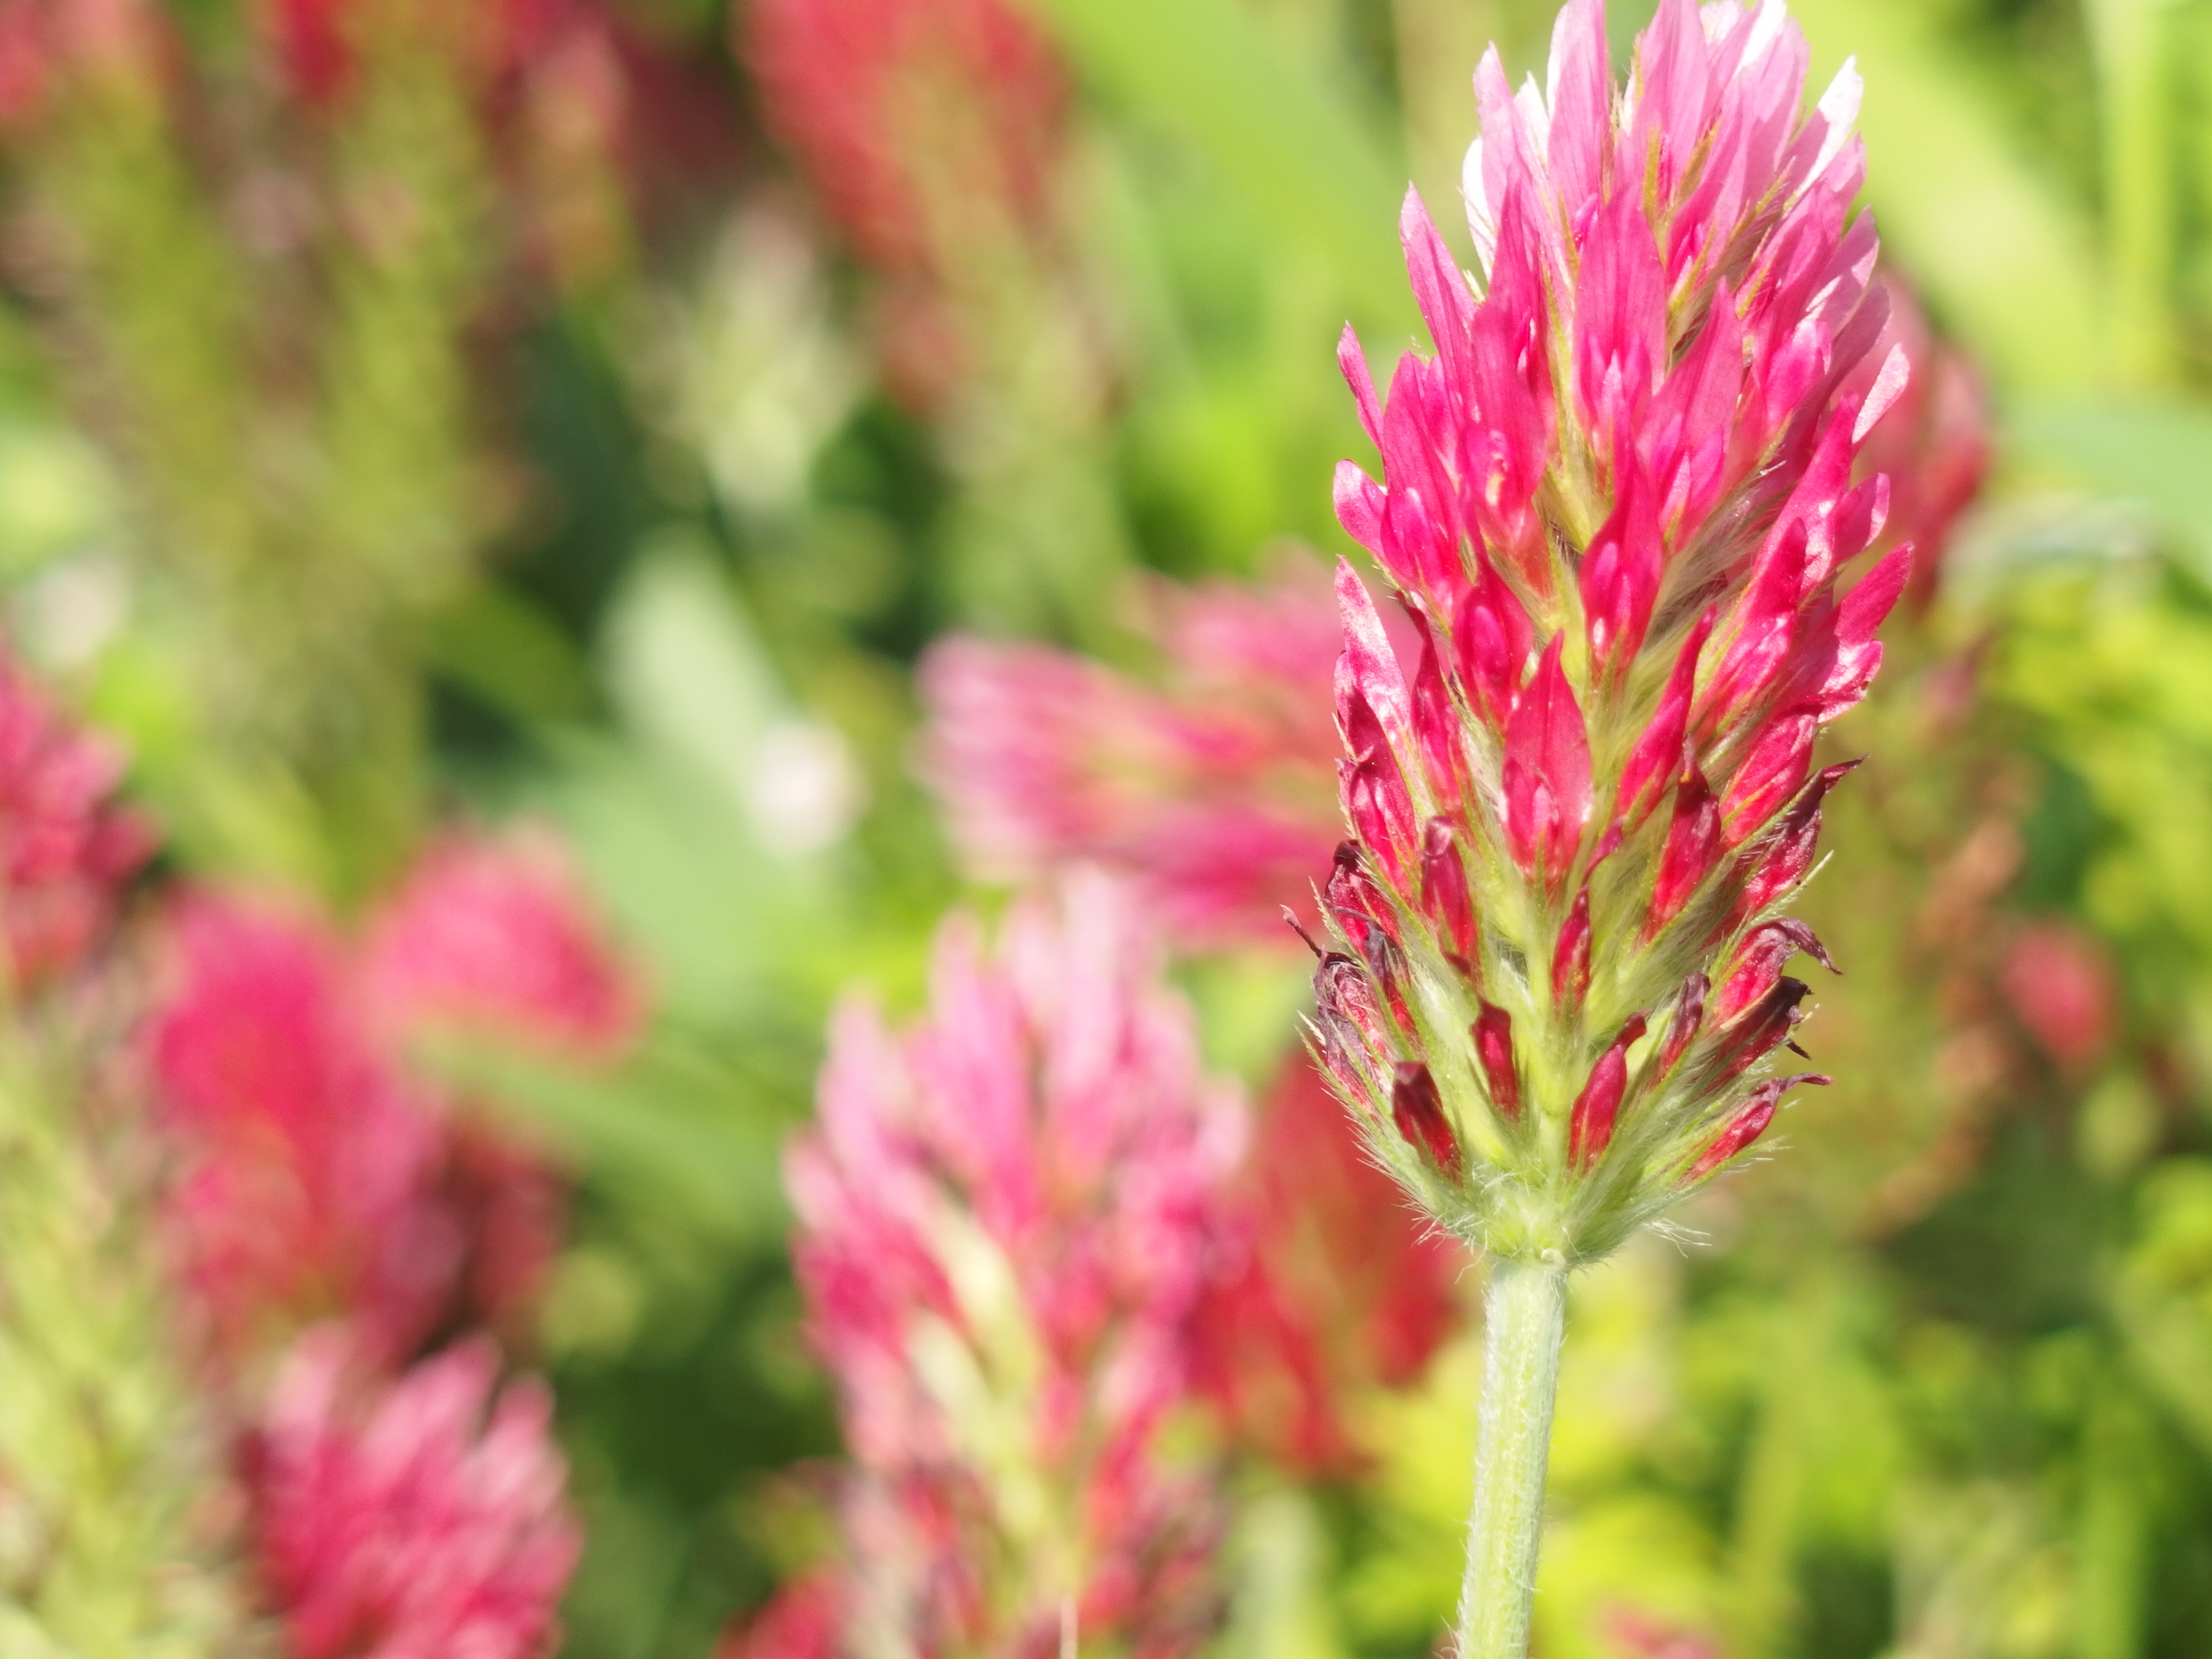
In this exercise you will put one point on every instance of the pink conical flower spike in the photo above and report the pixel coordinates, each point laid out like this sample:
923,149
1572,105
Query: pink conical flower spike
1008,1219
1209,789
1619,508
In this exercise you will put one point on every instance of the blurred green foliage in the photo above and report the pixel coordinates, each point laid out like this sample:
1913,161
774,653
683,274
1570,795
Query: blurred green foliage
342,533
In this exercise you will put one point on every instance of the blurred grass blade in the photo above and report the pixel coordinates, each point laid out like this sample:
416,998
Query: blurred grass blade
2136,76
2163,1294
687,670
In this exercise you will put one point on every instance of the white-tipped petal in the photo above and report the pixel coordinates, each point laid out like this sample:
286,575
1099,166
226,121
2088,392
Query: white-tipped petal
1481,221
1840,107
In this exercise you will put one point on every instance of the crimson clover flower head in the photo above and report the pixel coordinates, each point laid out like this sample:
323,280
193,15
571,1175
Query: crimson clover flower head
323,1170
1619,506
1007,1220
421,1516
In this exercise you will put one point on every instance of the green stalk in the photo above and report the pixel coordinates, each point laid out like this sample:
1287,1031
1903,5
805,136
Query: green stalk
107,1463
1525,1320
2136,82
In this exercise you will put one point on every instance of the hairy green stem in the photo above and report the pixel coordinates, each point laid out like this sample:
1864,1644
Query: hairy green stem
1525,1319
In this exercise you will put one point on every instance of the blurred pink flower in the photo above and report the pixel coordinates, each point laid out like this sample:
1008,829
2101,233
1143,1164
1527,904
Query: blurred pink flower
309,38
1639,1636
933,132
317,43
1933,445
799,1622
46,46
1008,1221
322,1174
2059,982
24,53
1215,791
66,847
870,93
307,1157
420,1520
497,936
1215,795
1340,1286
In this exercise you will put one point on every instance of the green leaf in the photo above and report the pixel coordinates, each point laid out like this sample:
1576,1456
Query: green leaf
2164,1293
